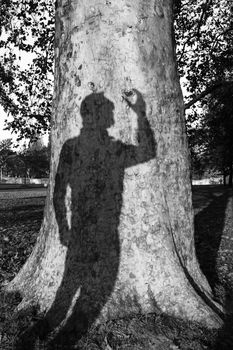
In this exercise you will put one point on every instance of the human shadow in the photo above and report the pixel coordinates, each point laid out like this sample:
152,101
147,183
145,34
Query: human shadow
87,200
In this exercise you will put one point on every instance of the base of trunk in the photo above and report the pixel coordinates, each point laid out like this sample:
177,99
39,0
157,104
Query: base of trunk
160,286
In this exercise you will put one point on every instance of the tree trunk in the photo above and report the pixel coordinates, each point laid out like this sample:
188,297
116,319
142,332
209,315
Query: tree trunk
118,234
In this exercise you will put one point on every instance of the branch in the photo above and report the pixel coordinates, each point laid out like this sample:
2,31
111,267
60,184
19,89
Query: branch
203,16
207,92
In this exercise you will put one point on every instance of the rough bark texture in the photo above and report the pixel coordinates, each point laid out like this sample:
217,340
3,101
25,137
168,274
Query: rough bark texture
117,236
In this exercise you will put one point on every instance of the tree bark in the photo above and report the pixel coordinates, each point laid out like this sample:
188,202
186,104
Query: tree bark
118,235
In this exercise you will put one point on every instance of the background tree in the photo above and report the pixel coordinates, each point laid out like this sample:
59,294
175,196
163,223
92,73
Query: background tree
36,161
32,161
204,42
27,31
218,126
5,152
204,52
15,166
196,138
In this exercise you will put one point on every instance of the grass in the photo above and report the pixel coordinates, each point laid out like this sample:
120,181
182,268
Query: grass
20,220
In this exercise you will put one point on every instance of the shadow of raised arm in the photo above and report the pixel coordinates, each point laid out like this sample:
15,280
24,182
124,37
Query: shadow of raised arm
146,148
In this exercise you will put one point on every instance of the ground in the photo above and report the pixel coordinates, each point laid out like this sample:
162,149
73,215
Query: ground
21,213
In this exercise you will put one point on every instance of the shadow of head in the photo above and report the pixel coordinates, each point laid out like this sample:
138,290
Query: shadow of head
97,111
